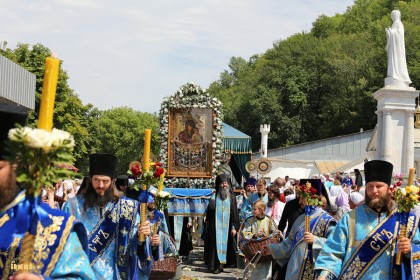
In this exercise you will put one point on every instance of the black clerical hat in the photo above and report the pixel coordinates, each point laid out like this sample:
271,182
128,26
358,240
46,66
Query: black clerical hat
8,120
251,181
102,164
378,170
220,179
122,180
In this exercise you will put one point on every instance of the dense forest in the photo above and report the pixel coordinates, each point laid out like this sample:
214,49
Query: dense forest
318,84
312,85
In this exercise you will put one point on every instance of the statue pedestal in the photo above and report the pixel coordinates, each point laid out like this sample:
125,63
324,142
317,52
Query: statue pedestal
392,83
395,128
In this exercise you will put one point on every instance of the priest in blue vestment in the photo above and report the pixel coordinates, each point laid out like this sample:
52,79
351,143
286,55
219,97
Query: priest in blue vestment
59,240
222,222
364,243
300,249
112,223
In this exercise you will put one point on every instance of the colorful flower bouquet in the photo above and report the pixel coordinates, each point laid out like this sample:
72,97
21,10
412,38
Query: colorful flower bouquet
309,194
406,198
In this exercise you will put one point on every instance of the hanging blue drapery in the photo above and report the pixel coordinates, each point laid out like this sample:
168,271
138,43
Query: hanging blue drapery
239,145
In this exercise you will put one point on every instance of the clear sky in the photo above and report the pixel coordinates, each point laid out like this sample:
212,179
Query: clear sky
134,53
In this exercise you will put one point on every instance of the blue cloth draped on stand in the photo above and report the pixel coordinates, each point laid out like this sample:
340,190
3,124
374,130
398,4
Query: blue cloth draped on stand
188,202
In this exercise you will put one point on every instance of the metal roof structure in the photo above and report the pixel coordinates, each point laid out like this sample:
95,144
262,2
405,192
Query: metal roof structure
17,87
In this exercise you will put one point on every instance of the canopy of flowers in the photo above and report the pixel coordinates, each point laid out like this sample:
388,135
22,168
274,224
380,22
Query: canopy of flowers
37,153
192,96
309,194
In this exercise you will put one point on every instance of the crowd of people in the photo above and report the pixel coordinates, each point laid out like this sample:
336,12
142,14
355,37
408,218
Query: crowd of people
351,233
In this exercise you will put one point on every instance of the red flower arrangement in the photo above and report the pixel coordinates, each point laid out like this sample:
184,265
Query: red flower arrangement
309,194
143,177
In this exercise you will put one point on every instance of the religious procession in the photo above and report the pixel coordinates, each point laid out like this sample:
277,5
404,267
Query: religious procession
206,189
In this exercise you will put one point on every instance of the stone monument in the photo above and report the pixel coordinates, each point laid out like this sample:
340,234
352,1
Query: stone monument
396,104
264,129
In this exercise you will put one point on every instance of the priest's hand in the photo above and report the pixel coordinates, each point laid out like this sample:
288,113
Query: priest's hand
155,240
144,228
25,276
233,232
404,245
244,194
308,237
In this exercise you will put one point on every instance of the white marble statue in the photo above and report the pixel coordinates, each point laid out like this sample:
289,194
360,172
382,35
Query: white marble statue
397,74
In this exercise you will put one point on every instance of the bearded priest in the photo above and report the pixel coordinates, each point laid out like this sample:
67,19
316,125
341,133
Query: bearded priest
364,243
222,222
113,224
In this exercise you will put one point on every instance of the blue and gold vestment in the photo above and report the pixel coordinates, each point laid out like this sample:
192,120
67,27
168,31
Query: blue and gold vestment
59,240
376,261
112,231
295,251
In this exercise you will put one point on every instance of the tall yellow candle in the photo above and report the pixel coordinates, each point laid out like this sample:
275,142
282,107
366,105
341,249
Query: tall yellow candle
162,179
146,151
411,177
146,166
49,87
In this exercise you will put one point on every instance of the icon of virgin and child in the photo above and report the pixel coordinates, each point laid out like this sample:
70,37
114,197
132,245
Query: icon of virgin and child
191,133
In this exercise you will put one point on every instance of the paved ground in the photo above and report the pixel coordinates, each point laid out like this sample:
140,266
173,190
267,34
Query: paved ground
195,269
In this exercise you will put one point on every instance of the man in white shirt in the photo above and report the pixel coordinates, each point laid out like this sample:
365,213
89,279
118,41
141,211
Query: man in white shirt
274,206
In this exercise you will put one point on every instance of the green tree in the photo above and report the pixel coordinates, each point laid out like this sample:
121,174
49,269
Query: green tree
69,114
120,131
318,84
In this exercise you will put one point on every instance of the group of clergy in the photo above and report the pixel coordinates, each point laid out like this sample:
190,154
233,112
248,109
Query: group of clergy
361,245
98,235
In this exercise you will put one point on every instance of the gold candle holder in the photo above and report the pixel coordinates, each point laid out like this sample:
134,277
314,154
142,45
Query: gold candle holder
146,166
403,230
26,253
307,223
156,227
403,233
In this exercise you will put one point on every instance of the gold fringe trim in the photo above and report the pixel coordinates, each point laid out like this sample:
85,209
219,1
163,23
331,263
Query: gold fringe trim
192,197
416,256
27,252
238,153
11,257
4,219
188,214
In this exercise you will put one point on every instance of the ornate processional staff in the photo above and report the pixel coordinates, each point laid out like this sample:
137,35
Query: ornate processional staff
309,194
144,187
406,198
